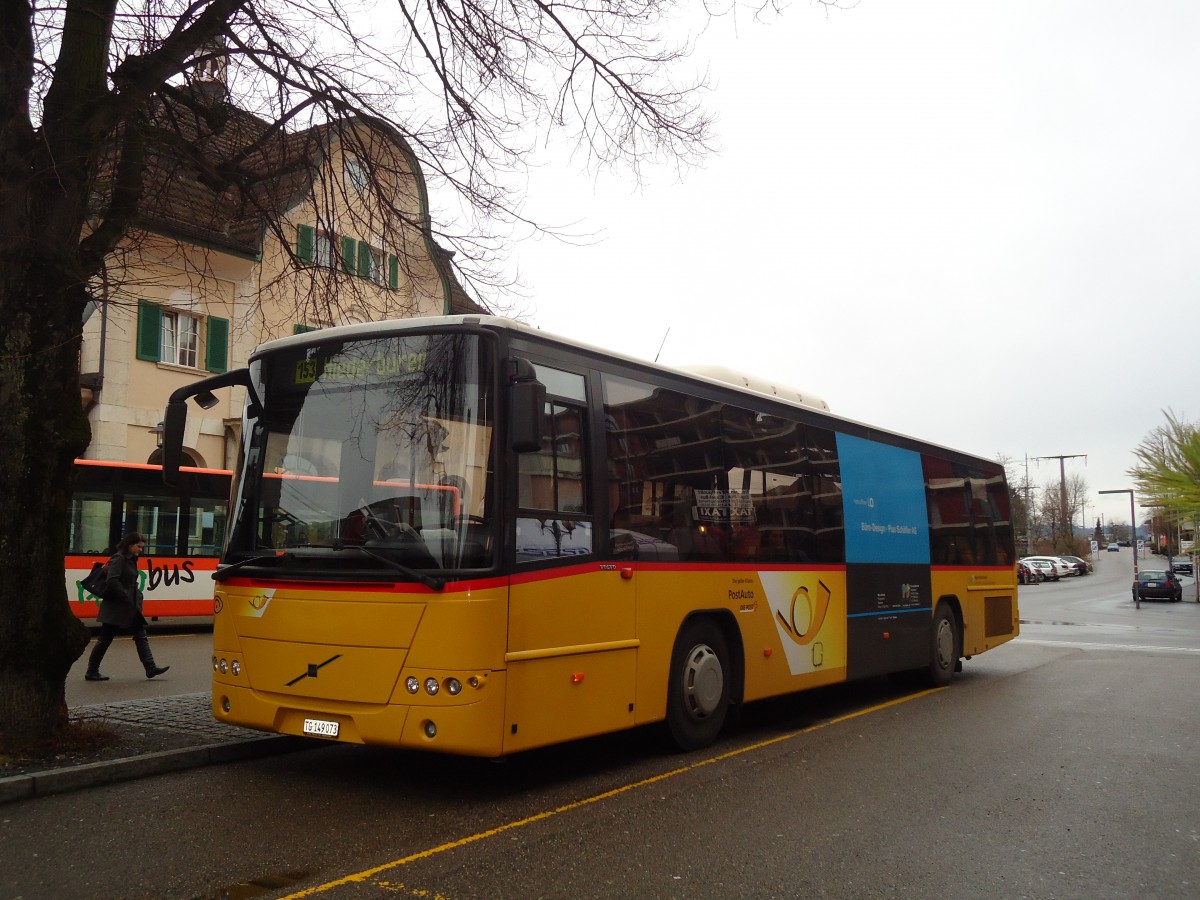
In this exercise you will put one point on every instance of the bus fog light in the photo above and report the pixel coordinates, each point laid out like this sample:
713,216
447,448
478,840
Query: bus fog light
236,668
224,704
430,730
223,667
454,686
431,686
214,664
412,684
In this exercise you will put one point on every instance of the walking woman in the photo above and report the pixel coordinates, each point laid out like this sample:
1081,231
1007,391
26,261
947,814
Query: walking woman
122,608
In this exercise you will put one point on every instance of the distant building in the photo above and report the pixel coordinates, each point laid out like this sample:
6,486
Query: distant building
246,234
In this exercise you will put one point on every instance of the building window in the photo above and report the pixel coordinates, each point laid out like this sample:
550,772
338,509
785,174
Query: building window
170,336
353,256
371,264
356,173
320,247
180,339
326,254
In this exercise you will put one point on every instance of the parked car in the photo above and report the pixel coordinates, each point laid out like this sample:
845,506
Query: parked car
1157,584
1080,565
1113,548
1026,574
1183,565
1058,567
1043,567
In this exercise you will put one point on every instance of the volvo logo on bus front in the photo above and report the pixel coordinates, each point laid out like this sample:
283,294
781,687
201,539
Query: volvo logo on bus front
313,669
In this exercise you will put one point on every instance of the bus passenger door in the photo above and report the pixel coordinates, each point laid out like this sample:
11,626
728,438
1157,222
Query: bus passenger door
571,650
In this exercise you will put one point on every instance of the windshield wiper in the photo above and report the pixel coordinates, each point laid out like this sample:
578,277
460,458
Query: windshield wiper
428,580
222,573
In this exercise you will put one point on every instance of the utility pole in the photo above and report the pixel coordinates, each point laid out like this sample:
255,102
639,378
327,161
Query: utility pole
1064,522
1028,515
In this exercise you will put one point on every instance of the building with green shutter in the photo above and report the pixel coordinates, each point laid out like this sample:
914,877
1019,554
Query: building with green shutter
247,234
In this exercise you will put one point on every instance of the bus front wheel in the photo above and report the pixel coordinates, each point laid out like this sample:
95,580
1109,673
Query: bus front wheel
698,693
945,648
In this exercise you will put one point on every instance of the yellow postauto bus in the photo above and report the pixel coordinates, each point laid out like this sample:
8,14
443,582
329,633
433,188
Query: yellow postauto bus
460,534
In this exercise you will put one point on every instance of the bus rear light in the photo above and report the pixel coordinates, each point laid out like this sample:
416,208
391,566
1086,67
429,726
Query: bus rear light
223,667
576,678
454,686
236,668
432,686
474,682
412,684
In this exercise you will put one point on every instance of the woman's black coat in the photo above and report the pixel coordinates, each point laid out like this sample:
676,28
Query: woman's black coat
122,604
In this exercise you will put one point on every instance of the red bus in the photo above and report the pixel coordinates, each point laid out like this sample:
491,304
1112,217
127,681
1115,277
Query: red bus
184,528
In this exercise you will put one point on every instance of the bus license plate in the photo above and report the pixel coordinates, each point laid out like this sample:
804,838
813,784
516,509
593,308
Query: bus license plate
321,727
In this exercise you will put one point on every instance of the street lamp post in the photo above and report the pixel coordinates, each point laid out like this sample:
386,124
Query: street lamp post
1137,603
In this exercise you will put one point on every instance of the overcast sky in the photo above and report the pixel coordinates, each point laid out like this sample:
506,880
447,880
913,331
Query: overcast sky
975,223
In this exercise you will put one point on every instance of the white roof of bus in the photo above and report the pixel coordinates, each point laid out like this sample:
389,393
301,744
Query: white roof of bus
719,374
761,386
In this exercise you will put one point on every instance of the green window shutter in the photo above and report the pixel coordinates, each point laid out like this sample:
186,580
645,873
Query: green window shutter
349,254
216,346
306,241
393,271
364,259
303,329
149,331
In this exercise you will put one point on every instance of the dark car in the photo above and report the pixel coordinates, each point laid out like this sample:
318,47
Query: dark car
1157,584
1183,565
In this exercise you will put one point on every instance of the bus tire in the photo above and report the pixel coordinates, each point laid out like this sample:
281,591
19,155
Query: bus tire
699,687
945,645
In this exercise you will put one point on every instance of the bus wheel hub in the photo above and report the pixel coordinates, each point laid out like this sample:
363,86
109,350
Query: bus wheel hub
703,682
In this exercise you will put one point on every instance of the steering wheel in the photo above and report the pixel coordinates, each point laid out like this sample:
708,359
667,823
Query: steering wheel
389,531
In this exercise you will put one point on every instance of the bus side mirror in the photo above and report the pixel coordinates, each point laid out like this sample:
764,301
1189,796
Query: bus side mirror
174,424
527,404
175,415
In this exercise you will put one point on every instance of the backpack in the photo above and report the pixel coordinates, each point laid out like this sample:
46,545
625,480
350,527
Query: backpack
96,579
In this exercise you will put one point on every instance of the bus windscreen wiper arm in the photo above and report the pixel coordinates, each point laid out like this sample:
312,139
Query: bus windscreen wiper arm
222,573
428,580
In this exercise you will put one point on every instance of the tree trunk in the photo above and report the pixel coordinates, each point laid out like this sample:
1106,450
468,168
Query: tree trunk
42,429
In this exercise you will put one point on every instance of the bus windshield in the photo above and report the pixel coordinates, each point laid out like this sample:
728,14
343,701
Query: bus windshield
372,454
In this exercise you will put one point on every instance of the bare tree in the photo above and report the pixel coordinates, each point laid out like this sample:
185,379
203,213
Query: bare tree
93,92
1023,497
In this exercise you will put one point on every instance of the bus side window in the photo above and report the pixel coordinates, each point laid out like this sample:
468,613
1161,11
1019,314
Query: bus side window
552,493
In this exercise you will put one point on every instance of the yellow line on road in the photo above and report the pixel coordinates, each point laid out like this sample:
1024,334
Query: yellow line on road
366,874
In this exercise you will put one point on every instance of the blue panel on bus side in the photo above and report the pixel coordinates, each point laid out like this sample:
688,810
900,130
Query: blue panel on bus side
883,499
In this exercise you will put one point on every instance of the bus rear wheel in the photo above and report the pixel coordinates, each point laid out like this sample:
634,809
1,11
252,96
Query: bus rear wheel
945,647
698,692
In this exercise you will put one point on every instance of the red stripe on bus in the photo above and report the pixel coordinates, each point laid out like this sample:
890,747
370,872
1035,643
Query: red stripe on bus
145,467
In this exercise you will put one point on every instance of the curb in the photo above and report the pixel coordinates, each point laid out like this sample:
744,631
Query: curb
73,778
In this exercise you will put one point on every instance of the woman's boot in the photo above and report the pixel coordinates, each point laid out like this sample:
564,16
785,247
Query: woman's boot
143,651
94,660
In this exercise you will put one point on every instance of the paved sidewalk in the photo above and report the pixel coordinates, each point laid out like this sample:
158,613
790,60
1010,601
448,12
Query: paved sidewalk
162,734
